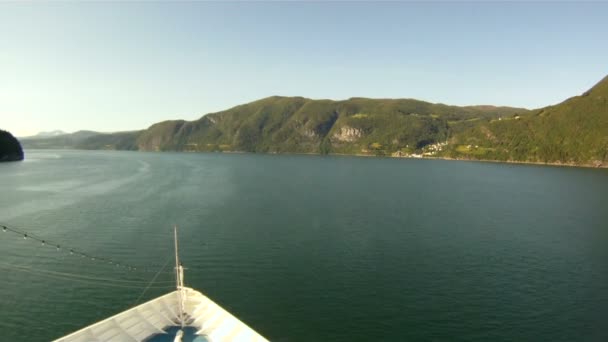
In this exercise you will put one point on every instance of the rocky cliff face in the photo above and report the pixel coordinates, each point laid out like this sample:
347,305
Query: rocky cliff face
348,134
10,148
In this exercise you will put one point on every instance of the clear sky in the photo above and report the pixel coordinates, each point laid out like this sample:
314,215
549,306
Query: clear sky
115,66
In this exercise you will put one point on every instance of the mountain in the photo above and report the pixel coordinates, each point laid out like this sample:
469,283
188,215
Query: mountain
110,141
57,141
10,149
43,135
573,132
299,125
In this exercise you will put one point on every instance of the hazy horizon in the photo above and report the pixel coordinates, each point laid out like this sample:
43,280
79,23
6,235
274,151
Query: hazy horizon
119,67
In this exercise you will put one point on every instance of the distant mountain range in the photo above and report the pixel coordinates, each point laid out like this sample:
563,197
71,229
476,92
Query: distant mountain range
60,141
42,135
572,132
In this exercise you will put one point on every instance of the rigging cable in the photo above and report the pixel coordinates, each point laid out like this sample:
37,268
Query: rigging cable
151,281
67,276
74,251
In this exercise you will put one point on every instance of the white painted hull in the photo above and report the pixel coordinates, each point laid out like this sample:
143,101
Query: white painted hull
151,318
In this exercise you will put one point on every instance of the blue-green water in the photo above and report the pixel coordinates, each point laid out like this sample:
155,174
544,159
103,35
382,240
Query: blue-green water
307,248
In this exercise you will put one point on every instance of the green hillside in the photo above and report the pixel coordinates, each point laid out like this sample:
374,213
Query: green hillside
300,125
572,132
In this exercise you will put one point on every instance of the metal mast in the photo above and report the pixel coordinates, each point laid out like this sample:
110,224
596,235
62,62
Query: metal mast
179,280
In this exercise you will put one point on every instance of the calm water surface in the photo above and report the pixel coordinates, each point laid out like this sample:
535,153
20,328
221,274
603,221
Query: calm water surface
307,248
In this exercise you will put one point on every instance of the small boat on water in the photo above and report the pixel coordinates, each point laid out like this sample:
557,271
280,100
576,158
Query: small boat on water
182,315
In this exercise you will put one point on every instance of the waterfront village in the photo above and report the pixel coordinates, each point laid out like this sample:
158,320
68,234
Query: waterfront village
427,151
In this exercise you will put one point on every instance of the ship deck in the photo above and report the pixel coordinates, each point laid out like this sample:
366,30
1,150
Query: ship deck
206,321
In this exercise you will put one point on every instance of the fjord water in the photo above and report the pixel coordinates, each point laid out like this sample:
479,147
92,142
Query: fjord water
310,248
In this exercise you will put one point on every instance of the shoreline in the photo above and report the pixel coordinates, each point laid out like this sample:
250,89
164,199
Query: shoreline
587,166
602,165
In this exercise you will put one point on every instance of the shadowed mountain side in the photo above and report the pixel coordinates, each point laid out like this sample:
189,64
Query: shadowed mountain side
10,148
